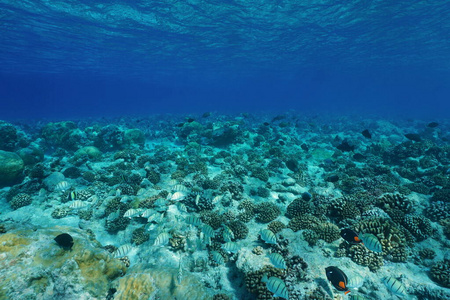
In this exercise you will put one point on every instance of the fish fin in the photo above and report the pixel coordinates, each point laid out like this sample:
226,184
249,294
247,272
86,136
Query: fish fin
341,284
346,292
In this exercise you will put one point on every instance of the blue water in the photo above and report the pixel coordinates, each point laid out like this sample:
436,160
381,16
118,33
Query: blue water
63,59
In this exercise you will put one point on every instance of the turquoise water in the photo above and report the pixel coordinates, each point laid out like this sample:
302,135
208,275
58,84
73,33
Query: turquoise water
222,150
80,58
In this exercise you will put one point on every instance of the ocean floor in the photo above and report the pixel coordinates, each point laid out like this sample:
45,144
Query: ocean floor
214,206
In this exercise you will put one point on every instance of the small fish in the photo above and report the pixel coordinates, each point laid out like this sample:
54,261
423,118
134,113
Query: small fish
276,286
337,278
147,213
413,137
304,147
371,242
181,207
350,236
72,196
358,156
78,204
216,199
306,196
131,213
357,297
173,182
62,186
180,272
122,250
228,234
160,202
179,188
355,281
394,286
193,220
230,247
113,215
433,125
217,257
162,239
345,146
332,178
156,217
277,260
268,236
366,134
208,231
65,241
177,196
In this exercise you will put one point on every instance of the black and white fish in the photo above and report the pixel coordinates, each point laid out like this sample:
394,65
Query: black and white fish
276,286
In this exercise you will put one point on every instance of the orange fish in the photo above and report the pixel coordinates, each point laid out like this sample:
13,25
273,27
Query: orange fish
350,236
337,278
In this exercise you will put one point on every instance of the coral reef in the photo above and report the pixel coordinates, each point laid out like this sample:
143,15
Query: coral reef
11,168
20,200
440,273
266,212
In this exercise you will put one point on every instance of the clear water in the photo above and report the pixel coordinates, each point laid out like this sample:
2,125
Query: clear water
70,58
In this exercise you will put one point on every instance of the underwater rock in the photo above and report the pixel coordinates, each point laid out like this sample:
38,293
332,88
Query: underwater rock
11,168
31,155
62,134
156,282
133,137
90,151
35,268
8,136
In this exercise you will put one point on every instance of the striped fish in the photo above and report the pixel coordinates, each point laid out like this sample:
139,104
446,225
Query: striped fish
181,207
162,239
357,297
122,251
394,286
371,242
160,202
277,260
173,182
179,188
228,234
268,236
230,247
62,186
177,196
156,217
146,213
131,213
78,204
355,281
208,231
113,215
193,220
276,286
216,199
217,257
72,196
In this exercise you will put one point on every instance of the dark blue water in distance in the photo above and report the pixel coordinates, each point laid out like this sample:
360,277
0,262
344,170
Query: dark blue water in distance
80,58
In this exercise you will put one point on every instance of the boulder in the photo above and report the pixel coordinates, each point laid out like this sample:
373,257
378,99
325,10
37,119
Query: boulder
11,168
